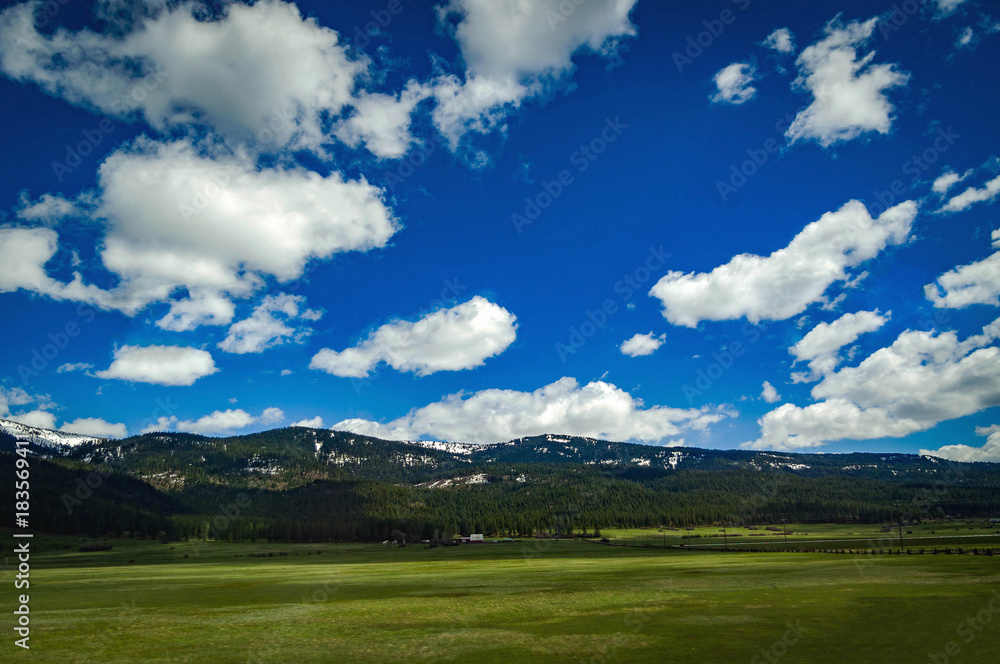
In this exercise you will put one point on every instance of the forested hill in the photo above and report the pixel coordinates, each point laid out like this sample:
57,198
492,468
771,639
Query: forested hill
303,483
296,455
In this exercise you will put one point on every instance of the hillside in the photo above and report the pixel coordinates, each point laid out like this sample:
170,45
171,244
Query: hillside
299,483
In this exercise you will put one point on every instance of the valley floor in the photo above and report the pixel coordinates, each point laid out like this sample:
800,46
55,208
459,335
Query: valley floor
529,601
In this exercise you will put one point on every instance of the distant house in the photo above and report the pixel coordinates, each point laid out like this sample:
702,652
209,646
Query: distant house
473,539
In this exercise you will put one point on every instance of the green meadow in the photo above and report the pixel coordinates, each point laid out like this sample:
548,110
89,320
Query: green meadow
806,537
528,601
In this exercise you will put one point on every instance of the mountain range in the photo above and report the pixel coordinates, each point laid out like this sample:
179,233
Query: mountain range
332,484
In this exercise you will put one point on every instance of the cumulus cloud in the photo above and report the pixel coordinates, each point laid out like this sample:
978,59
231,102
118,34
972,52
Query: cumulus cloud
781,40
642,344
989,451
382,121
220,421
922,379
162,423
945,7
462,337
516,50
48,209
733,84
23,255
159,365
848,94
214,225
946,180
972,195
821,346
35,418
18,398
312,423
782,285
770,393
74,366
975,283
272,416
268,326
277,92
95,426
598,409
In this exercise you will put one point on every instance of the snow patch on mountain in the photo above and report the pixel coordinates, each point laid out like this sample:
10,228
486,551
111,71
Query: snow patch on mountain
57,440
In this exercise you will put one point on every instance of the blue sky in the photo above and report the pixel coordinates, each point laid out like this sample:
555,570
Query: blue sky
767,224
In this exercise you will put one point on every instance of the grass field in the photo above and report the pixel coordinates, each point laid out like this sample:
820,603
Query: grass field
530,601
930,534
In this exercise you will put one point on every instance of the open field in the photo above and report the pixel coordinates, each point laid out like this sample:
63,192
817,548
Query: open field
930,534
536,600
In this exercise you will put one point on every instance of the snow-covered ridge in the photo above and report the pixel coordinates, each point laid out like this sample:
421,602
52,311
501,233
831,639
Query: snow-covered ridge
46,437
453,448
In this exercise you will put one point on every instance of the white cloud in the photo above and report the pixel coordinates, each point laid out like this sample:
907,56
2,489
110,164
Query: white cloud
598,409
220,421
47,209
781,40
770,393
198,308
35,418
733,84
95,426
313,423
821,346
972,195
14,396
922,379
213,224
990,450
783,284
74,366
461,337
946,180
790,427
23,255
162,423
261,71
382,122
272,416
516,50
642,344
849,94
946,7
976,283
159,365
286,372
965,39
268,325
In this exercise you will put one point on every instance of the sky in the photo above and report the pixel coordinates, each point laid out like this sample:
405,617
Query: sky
722,224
